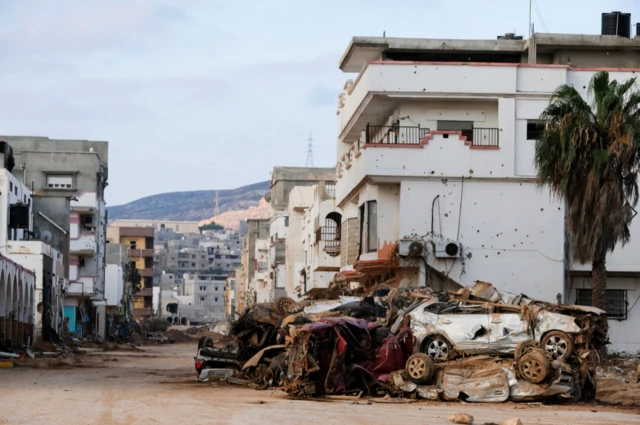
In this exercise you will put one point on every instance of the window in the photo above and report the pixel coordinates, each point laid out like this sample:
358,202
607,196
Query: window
132,244
616,302
193,264
216,288
216,299
372,226
534,129
465,127
10,186
60,182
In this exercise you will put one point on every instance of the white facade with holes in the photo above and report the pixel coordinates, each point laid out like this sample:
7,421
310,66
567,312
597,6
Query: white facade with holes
435,152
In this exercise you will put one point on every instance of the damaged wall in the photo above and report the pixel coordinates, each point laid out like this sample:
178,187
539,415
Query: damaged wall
518,251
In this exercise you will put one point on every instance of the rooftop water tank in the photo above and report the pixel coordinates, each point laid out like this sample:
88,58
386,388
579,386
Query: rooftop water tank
616,23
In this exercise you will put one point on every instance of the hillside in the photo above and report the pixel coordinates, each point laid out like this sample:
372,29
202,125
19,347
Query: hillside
190,206
232,219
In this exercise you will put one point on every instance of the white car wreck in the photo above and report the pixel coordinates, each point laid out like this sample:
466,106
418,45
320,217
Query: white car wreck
482,320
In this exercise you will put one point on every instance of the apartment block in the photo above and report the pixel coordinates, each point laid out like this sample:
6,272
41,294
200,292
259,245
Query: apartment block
435,166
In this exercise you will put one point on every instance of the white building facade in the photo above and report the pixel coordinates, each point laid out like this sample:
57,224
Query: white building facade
436,170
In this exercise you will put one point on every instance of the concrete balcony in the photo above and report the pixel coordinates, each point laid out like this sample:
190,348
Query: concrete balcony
381,85
142,312
85,244
438,155
86,202
82,286
145,272
144,292
141,253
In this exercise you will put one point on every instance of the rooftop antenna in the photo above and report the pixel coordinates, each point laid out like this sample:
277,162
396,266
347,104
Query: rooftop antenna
216,208
530,28
310,151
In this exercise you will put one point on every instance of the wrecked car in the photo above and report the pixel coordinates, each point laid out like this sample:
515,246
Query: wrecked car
342,355
471,322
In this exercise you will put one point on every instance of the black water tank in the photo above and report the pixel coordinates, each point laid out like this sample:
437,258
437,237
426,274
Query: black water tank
19,216
638,29
616,23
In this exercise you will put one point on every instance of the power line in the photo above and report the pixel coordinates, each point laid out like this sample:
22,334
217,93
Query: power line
539,13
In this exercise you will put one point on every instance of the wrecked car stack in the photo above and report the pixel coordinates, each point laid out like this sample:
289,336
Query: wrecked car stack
476,344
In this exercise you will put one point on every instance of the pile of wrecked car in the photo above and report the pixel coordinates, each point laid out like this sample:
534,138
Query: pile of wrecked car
477,344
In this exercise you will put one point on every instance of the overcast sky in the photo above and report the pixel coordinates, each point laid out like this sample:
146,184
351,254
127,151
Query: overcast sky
206,94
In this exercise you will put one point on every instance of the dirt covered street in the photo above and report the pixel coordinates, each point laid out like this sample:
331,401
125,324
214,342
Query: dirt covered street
156,385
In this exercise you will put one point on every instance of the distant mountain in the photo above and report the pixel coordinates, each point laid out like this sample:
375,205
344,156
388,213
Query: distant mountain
190,206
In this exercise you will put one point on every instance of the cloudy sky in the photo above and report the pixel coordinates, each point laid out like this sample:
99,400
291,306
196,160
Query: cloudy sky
210,94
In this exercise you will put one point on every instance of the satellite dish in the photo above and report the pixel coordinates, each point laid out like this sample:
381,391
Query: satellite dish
46,237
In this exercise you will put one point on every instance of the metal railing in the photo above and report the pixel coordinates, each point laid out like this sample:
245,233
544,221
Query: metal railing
330,235
330,188
395,134
483,136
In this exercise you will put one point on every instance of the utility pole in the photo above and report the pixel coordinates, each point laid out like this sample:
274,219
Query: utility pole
310,151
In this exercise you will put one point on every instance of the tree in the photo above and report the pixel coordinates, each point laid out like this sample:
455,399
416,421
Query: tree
211,226
588,156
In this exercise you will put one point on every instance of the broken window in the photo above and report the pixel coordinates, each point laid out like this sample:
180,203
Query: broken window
534,129
616,301
132,244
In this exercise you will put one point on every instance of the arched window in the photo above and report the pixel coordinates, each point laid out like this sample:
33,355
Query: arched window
331,233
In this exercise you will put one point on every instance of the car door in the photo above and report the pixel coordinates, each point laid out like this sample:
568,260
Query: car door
508,329
466,327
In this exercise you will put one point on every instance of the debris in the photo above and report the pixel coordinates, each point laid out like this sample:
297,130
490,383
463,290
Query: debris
428,393
512,421
461,418
6,365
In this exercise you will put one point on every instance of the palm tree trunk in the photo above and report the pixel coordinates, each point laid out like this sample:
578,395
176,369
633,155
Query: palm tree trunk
599,282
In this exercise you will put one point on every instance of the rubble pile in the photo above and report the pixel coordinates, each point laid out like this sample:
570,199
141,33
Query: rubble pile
477,344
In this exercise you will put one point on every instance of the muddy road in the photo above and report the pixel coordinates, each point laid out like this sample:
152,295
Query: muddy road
157,386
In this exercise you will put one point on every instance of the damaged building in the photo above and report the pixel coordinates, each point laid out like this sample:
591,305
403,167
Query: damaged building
435,173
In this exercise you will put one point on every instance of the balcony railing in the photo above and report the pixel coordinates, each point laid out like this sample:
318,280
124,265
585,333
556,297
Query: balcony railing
145,272
395,134
330,235
483,136
144,292
142,312
407,135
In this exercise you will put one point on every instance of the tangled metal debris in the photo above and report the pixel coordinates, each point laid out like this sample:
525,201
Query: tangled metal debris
477,344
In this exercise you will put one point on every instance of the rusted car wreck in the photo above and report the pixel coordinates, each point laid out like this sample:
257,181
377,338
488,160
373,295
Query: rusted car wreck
477,344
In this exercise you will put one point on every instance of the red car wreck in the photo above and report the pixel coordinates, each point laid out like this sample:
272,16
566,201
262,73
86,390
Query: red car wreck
342,355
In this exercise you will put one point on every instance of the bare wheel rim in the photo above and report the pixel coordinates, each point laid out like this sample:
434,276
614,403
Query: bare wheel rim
417,368
285,305
532,369
438,350
556,346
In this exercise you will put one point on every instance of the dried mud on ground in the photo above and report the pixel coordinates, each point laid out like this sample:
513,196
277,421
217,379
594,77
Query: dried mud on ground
157,386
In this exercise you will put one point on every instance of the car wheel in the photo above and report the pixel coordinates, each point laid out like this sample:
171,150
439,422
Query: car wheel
524,346
534,367
439,349
205,341
558,344
282,305
420,368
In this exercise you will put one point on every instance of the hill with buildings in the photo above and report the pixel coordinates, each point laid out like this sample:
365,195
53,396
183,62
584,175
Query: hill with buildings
194,205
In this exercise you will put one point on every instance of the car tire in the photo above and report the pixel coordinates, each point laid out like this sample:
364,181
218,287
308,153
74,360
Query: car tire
439,349
420,368
205,341
282,305
534,367
558,344
524,346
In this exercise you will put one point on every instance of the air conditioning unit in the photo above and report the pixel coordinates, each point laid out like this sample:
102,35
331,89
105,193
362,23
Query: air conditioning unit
447,249
411,248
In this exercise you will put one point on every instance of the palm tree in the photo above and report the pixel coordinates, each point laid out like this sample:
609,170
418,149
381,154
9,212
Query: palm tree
588,156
